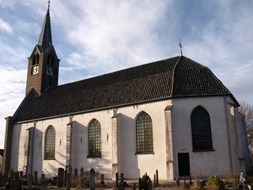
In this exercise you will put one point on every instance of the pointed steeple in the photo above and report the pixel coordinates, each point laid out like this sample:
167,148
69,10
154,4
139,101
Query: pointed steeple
45,39
43,64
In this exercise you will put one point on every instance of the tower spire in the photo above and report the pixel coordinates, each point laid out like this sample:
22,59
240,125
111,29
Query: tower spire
180,46
45,39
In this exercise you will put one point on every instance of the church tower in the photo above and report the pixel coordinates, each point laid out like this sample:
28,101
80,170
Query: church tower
43,64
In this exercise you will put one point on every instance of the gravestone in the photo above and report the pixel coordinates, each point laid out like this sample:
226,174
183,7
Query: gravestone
29,181
75,172
117,180
60,177
121,178
82,177
36,178
157,182
65,176
68,181
102,182
16,182
121,184
10,180
43,181
134,186
92,179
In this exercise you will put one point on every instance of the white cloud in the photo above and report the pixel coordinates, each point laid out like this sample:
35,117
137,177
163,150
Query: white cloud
116,33
5,26
12,92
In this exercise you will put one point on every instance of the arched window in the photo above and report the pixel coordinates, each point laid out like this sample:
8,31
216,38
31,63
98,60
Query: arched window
50,143
94,139
35,59
144,135
201,130
50,61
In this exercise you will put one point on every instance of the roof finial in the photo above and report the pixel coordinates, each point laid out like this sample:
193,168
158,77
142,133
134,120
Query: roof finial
48,3
180,45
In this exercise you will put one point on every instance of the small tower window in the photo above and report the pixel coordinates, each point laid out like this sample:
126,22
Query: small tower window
35,59
50,61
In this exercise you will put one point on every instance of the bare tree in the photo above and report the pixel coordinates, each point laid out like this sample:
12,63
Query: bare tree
247,110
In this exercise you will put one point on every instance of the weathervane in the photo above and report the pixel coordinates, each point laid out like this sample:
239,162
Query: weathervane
180,45
48,3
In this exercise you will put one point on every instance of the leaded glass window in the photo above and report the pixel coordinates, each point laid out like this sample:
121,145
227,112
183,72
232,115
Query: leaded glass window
144,135
201,130
94,138
50,143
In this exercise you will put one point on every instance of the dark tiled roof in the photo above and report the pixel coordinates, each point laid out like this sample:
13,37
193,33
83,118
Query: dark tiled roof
174,77
194,79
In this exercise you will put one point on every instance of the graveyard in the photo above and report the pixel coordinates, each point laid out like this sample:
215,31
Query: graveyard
79,179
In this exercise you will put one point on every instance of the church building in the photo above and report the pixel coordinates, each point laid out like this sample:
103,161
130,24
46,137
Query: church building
172,115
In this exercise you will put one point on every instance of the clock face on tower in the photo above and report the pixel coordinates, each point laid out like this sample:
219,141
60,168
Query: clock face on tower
49,71
35,70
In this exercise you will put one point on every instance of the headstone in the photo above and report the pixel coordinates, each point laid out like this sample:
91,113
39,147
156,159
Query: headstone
10,180
157,182
86,181
36,178
134,186
68,181
121,178
102,182
42,178
117,179
92,179
70,173
121,184
178,181
65,176
149,184
16,182
82,177
60,177
29,181
43,181
75,172
21,175
16,176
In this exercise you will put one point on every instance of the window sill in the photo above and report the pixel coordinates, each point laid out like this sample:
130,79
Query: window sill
94,156
203,150
140,153
48,159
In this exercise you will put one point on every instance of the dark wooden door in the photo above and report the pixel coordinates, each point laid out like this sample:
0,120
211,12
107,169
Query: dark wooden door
183,164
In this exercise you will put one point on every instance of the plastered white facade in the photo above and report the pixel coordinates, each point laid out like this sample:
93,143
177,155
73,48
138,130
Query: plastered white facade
171,135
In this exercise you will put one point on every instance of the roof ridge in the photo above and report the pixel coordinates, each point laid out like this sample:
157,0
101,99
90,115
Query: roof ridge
116,72
173,74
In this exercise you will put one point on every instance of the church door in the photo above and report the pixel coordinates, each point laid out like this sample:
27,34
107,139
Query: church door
183,164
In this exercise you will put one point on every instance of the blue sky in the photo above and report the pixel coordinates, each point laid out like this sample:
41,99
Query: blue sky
93,37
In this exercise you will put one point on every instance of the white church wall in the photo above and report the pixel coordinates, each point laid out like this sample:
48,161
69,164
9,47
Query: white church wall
49,167
135,165
80,142
215,162
131,164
